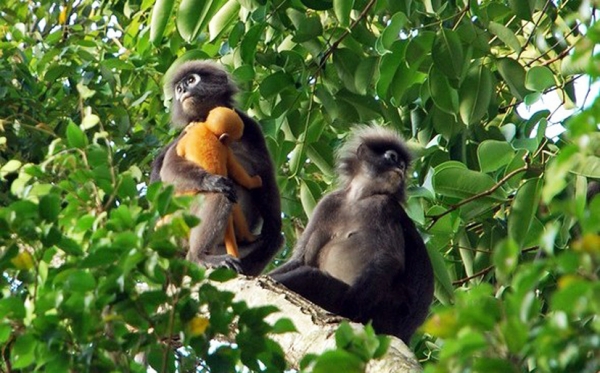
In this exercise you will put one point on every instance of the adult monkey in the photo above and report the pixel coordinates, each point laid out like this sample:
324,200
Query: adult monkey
198,87
361,256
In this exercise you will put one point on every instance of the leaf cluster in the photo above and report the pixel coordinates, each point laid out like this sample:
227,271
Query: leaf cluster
89,280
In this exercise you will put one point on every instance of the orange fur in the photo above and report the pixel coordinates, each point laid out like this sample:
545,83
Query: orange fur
206,144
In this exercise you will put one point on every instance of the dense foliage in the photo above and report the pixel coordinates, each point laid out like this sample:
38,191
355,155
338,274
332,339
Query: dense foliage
88,280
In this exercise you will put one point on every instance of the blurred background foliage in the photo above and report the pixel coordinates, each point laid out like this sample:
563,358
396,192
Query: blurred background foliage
499,185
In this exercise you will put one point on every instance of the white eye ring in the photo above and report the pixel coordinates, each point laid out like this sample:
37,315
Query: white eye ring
193,79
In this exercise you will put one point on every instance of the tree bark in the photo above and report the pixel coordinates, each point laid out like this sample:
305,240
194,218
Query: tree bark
316,327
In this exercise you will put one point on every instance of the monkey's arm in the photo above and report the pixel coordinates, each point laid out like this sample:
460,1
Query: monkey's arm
303,280
258,254
316,235
239,174
187,176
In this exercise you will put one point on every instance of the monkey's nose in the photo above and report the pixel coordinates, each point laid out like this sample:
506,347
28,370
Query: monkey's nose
179,91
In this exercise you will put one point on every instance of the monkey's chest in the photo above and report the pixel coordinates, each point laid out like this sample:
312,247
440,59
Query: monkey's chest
346,255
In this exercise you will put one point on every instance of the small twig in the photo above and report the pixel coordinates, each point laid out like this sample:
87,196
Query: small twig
461,16
336,43
536,25
483,272
435,218
518,102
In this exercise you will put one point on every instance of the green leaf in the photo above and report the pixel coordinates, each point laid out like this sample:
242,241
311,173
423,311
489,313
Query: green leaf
493,154
223,18
506,259
524,208
320,155
539,78
522,8
446,124
307,28
69,246
447,53
23,351
161,12
49,207
514,75
342,9
297,158
250,42
81,281
475,94
222,275
307,198
391,33
75,136
388,67
506,35
384,344
12,308
587,166
346,63
441,273
11,166
453,179
338,361
193,15
576,64
418,50
89,121
283,325
444,96
5,331
318,4
365,74
275,83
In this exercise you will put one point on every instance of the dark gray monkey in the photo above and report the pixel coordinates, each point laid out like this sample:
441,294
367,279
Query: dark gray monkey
361,256
198,87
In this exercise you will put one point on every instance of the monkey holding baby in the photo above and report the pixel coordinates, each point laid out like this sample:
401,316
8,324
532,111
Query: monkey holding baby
360,256
198,88
207,145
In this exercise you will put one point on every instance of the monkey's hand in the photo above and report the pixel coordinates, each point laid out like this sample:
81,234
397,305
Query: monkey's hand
367,295
223,261
256,182
220,184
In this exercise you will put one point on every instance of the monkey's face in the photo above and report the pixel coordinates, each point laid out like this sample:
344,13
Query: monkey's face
183,92
384,167
198,87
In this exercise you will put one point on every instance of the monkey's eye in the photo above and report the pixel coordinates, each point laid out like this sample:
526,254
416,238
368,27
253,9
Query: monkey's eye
179,89
391,156
192,79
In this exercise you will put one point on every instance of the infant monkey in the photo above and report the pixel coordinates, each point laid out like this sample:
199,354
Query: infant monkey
207,145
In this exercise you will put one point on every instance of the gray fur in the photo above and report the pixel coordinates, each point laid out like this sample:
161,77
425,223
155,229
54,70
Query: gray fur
361,256
262,206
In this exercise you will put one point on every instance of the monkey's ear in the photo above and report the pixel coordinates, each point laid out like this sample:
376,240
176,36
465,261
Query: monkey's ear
360,151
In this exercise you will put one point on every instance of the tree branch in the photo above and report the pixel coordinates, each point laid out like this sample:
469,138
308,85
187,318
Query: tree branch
336,43
435,218
316,327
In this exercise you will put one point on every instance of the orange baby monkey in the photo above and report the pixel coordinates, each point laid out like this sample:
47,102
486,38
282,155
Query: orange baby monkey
206,144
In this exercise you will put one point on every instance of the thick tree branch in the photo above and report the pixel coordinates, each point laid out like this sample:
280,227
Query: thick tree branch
316,327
